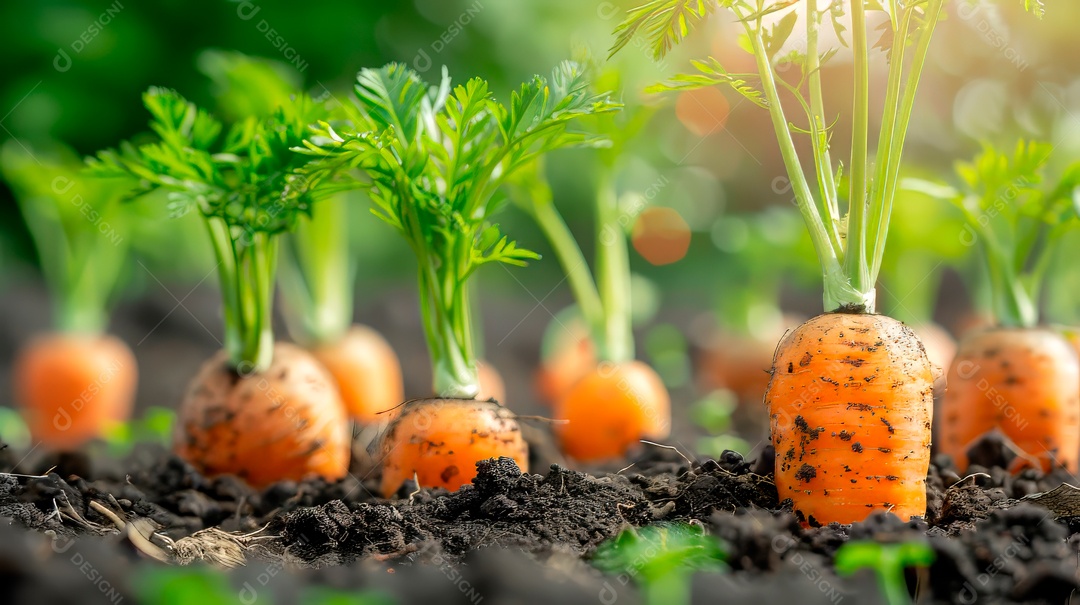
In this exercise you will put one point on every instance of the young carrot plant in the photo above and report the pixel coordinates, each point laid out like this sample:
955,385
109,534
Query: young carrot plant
316,270
260,410
74,383
436,158
835,464
662,560
888,562
618,401
1016,217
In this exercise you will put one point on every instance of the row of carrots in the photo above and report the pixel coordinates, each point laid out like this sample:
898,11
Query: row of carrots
850,394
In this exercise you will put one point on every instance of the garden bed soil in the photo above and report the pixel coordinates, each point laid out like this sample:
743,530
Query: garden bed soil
523,538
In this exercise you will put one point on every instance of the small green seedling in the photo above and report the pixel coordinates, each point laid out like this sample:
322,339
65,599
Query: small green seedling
662,559
888,562
155,426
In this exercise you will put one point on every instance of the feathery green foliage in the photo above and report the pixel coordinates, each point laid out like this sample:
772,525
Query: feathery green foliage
435,159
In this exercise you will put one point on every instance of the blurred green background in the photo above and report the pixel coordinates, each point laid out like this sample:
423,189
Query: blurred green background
74,71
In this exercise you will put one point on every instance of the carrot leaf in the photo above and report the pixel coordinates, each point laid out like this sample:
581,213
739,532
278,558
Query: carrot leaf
436,158
245,183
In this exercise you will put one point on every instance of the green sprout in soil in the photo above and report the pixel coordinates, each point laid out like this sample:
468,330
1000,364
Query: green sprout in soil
245,186
661,559
437,158
888,562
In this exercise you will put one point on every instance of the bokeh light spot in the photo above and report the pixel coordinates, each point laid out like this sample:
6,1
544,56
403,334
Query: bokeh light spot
703,111
661,236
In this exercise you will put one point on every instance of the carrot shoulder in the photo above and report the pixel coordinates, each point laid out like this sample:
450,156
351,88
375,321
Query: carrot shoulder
850,405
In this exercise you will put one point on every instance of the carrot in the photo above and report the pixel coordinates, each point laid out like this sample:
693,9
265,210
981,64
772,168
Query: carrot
850,404
284,422
73,383
259,410
868,373
72,387
1022,382
426,442
940,350
611,409
366,371
1016,378
618,401
435,158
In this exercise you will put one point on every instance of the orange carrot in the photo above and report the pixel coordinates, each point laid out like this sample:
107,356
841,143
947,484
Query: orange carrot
427,440
366,371
1023,382
611,409
72,387
287,422
850,403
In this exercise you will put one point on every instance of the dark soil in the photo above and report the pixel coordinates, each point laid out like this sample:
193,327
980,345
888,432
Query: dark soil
528,536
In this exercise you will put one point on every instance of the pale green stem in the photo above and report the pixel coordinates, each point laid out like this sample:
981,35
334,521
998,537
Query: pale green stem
855,262
316,276
818,128
613,271
838,292
573,263
907,105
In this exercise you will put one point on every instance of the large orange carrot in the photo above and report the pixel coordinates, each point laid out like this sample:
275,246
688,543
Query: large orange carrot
72,387
1022,382
366,371
850,403
611,409
285,422
426,442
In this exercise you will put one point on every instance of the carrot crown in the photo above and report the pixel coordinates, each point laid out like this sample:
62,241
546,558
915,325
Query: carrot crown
849,244
436,158
1016,217
79,228
246,188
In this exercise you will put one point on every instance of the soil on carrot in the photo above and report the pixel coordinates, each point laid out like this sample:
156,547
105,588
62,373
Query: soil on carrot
990,545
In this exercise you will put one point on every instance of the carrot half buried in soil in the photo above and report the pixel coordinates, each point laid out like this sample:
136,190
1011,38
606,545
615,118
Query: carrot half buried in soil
850,405
393,137
285,422
74,386
75,382
849,233
263,411
998,374
1017,378
439,441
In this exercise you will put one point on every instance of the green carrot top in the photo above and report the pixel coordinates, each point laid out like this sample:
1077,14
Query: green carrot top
1016,216
436,158
245,185
849,244
79,226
